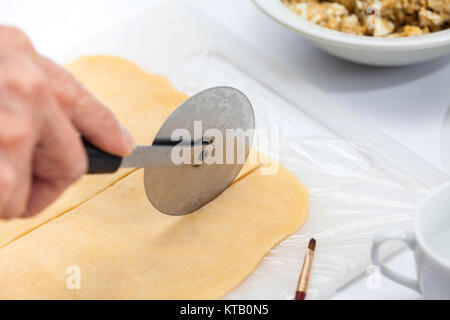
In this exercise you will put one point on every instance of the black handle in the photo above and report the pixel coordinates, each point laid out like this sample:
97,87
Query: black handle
100,161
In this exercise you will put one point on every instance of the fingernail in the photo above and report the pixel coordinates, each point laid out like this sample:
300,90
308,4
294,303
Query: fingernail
129,140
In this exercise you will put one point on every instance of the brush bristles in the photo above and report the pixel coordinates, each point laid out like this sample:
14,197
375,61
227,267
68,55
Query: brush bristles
312,244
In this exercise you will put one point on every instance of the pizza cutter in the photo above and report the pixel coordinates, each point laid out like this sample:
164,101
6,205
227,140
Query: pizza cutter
188,164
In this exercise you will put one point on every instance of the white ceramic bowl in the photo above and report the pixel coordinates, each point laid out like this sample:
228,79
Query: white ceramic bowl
361,49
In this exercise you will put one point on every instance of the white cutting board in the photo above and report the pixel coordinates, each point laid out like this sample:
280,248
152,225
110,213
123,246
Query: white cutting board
361,181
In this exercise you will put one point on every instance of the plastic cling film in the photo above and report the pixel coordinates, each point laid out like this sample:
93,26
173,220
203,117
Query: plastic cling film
356,191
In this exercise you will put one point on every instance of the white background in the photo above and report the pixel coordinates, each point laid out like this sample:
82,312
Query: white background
409,103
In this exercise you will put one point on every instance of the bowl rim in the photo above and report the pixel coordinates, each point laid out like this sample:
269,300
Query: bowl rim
276,10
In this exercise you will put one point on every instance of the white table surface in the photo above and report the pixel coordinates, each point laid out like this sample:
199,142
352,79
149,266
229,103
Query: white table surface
409,103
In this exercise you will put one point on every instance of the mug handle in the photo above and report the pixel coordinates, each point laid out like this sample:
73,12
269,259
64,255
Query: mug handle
401,235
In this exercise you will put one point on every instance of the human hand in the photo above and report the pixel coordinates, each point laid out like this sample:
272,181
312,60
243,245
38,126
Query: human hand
44,111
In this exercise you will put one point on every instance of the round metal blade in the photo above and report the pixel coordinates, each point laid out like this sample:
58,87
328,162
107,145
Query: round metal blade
183,189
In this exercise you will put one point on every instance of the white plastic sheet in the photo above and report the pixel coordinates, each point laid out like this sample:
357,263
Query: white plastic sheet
355,190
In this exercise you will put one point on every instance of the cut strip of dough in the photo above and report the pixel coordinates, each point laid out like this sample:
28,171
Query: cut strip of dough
126,249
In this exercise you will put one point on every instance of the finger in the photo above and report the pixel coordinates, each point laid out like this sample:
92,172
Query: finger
43,192
59,160
6,183
15,41
92,119
18,131
16,145
10,205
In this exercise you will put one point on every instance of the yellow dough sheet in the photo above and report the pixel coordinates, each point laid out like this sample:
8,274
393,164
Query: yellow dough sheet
125,249
118,245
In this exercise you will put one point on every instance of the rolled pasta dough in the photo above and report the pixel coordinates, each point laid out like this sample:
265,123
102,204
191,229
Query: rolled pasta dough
122,246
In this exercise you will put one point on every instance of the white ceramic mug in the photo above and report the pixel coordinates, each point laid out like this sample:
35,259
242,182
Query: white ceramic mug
430,241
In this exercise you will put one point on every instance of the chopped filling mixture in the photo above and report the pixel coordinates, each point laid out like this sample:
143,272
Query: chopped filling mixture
378,18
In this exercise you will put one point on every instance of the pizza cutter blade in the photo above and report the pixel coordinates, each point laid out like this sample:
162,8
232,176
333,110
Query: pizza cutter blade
210,133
